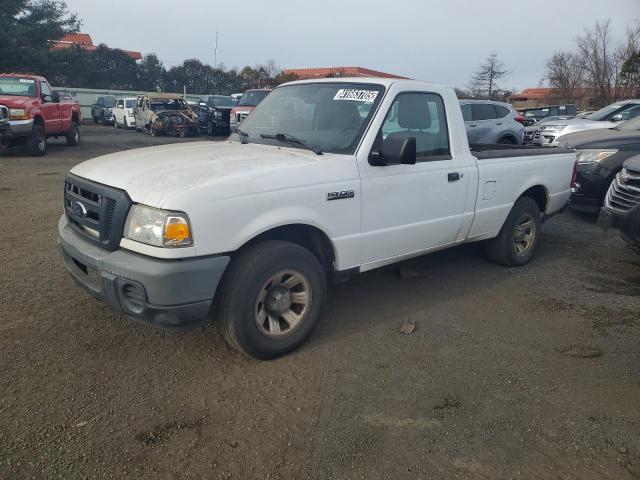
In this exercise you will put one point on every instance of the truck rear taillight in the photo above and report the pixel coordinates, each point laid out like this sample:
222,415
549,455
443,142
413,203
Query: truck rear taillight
574,186
519,118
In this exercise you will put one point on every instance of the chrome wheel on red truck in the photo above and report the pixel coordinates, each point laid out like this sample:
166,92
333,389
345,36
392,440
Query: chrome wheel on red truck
271,298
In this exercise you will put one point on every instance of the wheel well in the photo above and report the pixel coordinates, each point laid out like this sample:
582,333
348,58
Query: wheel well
539,195
75,117
510,137
311,238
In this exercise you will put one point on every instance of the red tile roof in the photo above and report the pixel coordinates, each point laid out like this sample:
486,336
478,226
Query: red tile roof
84,41
309,73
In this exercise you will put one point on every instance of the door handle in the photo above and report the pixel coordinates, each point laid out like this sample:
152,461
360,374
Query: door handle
454,176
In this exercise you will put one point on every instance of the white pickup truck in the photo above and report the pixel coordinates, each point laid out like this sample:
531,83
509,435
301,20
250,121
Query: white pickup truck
325,179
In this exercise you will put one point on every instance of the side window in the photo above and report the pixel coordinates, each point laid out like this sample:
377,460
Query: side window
139,102
466,112
419,115
631,113
120,104
482,111
501,111
45,89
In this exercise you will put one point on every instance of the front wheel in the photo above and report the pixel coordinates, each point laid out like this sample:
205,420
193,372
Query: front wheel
518,239
37,142
271,299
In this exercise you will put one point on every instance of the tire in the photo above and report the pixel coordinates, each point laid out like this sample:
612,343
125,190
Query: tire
125,125
73,135
250,306
115,122
509,250
37,142
506,141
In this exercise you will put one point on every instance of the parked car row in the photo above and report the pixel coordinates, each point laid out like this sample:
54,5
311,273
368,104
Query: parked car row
170,114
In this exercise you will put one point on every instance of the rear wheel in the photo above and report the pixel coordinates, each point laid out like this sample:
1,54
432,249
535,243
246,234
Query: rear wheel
518,239
73,135
37,142
271,299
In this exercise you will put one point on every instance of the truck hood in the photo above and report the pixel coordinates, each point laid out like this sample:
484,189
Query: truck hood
583,122
12,101
165,176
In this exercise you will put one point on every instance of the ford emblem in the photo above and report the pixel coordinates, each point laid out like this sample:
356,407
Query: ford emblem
78,210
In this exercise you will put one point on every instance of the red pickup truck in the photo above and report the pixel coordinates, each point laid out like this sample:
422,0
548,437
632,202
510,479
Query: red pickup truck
31,111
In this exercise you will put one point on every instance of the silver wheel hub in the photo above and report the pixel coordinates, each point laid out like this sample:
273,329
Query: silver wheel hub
524,234
283,303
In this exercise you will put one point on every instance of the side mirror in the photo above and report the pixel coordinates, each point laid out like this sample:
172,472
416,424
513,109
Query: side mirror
396,150
617,118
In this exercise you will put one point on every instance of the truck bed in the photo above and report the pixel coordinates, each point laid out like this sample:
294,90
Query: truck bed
488,151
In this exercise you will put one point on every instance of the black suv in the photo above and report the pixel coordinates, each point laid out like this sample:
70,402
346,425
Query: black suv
622,204
214,114
601,153
102,110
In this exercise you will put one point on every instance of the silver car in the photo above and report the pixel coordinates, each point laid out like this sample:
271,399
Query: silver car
489,122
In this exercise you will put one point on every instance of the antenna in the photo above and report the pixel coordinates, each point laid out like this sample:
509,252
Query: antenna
215,52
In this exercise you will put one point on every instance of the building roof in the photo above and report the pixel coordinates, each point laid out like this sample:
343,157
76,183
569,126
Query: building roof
84,41
309,73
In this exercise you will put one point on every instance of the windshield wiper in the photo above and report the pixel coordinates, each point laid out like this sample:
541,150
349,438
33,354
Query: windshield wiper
244,136
286,138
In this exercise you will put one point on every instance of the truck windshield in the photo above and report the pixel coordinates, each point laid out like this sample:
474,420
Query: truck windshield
130,103
16,86
329,116
253,98
170,104
221,101
109,102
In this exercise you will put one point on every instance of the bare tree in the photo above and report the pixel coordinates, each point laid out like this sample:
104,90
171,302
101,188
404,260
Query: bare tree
566,76
484,82
627,64
596,57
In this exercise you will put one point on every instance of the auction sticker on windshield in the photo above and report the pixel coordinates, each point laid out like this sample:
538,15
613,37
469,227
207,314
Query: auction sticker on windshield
368,96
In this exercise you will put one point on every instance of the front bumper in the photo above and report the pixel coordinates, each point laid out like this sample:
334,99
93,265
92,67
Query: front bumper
16,129
174,294
627,222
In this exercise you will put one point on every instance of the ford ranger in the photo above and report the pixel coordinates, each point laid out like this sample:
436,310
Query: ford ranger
35,113
325,179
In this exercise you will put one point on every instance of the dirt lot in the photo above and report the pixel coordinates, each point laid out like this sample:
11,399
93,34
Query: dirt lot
510,373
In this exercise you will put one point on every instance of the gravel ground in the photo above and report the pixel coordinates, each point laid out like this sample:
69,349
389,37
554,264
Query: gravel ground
520,373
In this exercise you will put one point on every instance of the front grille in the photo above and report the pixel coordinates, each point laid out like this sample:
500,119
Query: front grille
96,211
624,193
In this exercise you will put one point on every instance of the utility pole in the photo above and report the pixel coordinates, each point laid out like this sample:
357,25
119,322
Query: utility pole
215,52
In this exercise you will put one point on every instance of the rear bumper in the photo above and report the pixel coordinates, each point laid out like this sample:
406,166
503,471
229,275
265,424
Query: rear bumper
173,294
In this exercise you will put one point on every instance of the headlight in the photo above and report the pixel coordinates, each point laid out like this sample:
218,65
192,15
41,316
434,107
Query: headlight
552,128
160,228
217,114
18,114
594,156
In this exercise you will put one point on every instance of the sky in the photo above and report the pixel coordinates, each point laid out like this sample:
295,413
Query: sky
440,41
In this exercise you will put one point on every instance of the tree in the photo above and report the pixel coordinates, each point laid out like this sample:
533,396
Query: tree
27,26
151,74
484,83
566,76
596,59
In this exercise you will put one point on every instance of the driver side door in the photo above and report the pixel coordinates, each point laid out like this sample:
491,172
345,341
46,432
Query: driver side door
49,109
